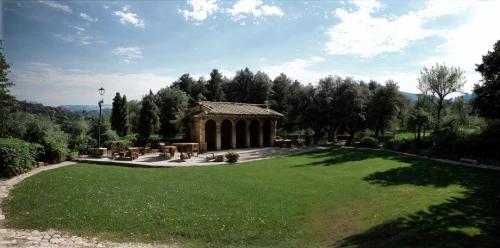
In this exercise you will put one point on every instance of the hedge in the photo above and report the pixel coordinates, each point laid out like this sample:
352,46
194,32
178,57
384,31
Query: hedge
17,156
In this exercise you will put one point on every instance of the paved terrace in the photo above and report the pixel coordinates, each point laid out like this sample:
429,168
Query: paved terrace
158,160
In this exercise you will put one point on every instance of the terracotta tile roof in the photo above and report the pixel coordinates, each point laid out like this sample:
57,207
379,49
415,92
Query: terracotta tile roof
235,109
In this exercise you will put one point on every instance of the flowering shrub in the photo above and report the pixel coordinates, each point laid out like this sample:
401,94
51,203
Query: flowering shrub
232,157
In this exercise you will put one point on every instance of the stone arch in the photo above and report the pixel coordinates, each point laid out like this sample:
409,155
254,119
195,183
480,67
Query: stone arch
226,133
266,129
211,135
254,133
241,133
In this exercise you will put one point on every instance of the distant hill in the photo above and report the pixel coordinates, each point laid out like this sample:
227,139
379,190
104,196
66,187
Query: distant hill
467,96
412,96
56,114
80,108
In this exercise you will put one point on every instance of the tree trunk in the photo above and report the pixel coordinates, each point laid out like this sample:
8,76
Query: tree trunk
419,129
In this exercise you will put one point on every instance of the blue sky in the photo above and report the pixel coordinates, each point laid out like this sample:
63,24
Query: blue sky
63,51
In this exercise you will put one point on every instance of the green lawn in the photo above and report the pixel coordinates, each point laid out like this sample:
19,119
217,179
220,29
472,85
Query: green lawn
344,197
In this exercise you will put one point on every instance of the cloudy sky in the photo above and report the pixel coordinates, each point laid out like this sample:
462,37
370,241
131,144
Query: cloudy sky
63,51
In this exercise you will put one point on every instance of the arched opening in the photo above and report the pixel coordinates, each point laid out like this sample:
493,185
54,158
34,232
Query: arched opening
210,135
226,132
267,133
241,134
254,133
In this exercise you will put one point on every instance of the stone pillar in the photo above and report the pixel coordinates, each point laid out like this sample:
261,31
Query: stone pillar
217,136
196,134
202,131
247,140
233,134
261,133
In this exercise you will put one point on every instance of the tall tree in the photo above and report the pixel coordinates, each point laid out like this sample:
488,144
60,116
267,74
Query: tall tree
439,82
149,120
487,100
418,119
6,99
173,104
116,112
281,93
124,120
261,89
215,87
134,111
387,102
241,85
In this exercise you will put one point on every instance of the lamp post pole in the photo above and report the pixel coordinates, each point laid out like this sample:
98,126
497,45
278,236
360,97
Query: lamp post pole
101,92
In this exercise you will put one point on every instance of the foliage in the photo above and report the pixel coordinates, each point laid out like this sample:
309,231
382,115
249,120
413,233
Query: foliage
41,130
78,129
369,142
119,115
172,104
17,156
215,87
232,156
149,120
438,82
6,99
418,120
72,155
134,111
487,100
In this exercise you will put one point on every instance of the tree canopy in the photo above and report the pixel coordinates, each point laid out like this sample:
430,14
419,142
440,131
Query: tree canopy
487,99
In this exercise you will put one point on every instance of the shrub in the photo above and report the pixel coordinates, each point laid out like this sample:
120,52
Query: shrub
17,156
72,155
232,157
368,142
55,150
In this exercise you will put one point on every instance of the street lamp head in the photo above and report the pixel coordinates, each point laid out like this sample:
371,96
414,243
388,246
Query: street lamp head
101,91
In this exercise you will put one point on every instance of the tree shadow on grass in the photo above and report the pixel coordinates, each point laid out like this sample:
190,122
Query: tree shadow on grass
472,220
338,156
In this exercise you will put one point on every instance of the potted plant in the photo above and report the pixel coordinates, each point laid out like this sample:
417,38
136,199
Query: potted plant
232,157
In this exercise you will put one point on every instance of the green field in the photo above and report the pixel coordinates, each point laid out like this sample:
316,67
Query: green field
345,197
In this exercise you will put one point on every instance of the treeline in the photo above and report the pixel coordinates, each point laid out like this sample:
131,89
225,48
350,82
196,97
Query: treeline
369,112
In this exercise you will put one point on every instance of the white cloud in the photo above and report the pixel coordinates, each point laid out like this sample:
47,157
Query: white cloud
297,69
80,36
243,8
466,44
105,6
360,34
242,24
87,17
126,61
58,6
129,17
129,52
201,9
262,59
39,81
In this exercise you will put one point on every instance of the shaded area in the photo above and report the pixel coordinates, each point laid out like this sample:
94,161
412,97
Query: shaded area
241,133
210,135
266,129
254,133
226,130
469,221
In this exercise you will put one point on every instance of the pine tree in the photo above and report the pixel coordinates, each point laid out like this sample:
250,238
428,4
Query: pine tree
124,119
149,120
6,99
116,112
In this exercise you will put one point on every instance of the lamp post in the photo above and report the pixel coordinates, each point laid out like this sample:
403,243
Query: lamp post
101,92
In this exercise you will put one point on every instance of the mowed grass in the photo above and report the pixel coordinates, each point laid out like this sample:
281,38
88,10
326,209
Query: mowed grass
346,197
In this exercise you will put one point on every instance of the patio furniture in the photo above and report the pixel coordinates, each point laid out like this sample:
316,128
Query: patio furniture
147,148
187,148
286,143
133,152
169,151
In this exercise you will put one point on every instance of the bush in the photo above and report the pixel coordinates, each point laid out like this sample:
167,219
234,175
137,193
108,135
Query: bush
17,156
72,155
369,142
232,157
55,150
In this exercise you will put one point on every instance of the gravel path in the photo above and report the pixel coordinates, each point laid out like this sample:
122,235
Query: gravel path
51,238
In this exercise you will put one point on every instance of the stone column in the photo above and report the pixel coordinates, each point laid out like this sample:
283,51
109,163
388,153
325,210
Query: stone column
202,131
196,134
233,134
261,133
247,140
217,136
